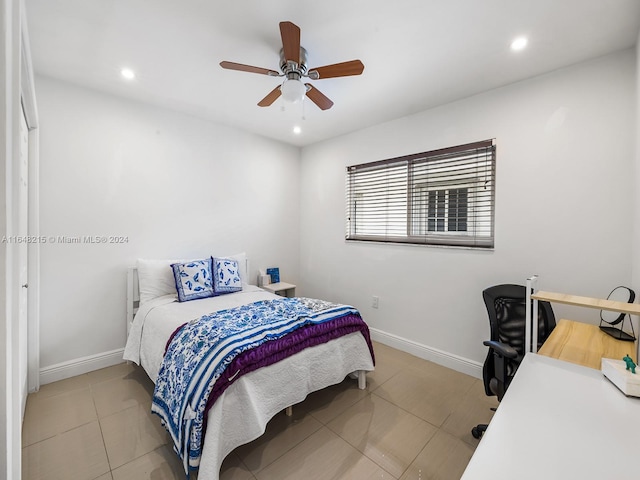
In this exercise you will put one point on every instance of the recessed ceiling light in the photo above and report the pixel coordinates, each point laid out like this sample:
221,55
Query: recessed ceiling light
128,73
297,130
519,43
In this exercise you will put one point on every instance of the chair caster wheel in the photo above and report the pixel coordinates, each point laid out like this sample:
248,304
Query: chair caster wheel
476,433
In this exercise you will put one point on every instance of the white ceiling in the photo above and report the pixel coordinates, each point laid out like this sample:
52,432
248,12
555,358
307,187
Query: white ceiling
417,53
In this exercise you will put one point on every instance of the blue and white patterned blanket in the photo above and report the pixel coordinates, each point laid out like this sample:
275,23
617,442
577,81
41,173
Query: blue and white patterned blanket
201,350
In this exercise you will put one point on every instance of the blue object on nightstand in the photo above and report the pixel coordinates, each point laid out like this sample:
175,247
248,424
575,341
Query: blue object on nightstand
274,273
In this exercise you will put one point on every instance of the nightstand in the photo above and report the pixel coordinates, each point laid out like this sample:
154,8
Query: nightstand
281,288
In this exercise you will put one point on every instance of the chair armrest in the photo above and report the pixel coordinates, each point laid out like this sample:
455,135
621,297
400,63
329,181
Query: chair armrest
501,348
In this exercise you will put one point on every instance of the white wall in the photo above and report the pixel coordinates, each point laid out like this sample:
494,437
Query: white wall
565,153
175,185
636,200
636,222
112,167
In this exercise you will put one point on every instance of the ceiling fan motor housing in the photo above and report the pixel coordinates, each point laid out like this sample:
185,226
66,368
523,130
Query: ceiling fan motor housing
288,67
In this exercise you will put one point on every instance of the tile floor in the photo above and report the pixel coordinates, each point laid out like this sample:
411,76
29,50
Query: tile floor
413,422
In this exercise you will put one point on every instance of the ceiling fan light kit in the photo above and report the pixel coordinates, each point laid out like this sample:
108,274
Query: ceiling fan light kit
293,90
293,64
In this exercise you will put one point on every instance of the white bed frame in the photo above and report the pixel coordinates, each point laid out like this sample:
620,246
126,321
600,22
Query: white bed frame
228,412
133,295
133,302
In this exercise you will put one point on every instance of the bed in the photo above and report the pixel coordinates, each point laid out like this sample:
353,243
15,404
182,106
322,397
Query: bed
241,412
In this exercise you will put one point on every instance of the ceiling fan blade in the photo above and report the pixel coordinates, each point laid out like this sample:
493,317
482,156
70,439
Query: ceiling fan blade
271,97
317,97
290,34
248,68
344,69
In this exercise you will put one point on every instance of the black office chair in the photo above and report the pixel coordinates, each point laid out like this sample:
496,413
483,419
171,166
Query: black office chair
506,306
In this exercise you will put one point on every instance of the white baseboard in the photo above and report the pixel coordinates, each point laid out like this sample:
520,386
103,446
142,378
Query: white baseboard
78,366
434,355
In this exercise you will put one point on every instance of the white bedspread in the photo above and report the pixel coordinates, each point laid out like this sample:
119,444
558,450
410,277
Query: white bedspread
242,412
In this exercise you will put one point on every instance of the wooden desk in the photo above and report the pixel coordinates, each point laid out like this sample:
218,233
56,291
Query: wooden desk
599,303
592,341
559,421
584,344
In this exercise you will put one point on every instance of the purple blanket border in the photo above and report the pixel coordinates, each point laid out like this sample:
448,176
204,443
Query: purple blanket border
273,351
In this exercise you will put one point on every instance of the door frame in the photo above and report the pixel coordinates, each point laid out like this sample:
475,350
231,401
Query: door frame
16,88
28,99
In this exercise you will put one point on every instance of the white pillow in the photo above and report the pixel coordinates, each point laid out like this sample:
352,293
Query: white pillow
194,279
241,258
226,276
155,278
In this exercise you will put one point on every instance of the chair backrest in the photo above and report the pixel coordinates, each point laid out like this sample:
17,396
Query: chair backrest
506,306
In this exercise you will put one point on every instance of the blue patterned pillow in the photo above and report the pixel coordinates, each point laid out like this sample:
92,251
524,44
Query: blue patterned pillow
193,279
226,276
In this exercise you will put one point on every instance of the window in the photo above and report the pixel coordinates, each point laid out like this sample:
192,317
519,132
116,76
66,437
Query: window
443,197
446,210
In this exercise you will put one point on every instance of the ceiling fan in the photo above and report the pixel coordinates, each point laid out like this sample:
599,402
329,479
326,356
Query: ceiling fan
293,64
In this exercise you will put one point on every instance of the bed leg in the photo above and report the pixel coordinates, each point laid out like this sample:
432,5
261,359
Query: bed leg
362,379
289,411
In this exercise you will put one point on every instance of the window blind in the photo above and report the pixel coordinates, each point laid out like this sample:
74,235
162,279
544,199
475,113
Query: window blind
442,197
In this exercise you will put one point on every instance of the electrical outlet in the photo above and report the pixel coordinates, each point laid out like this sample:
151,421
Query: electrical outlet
374,301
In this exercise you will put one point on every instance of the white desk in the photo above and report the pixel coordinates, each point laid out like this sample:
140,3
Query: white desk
563,421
